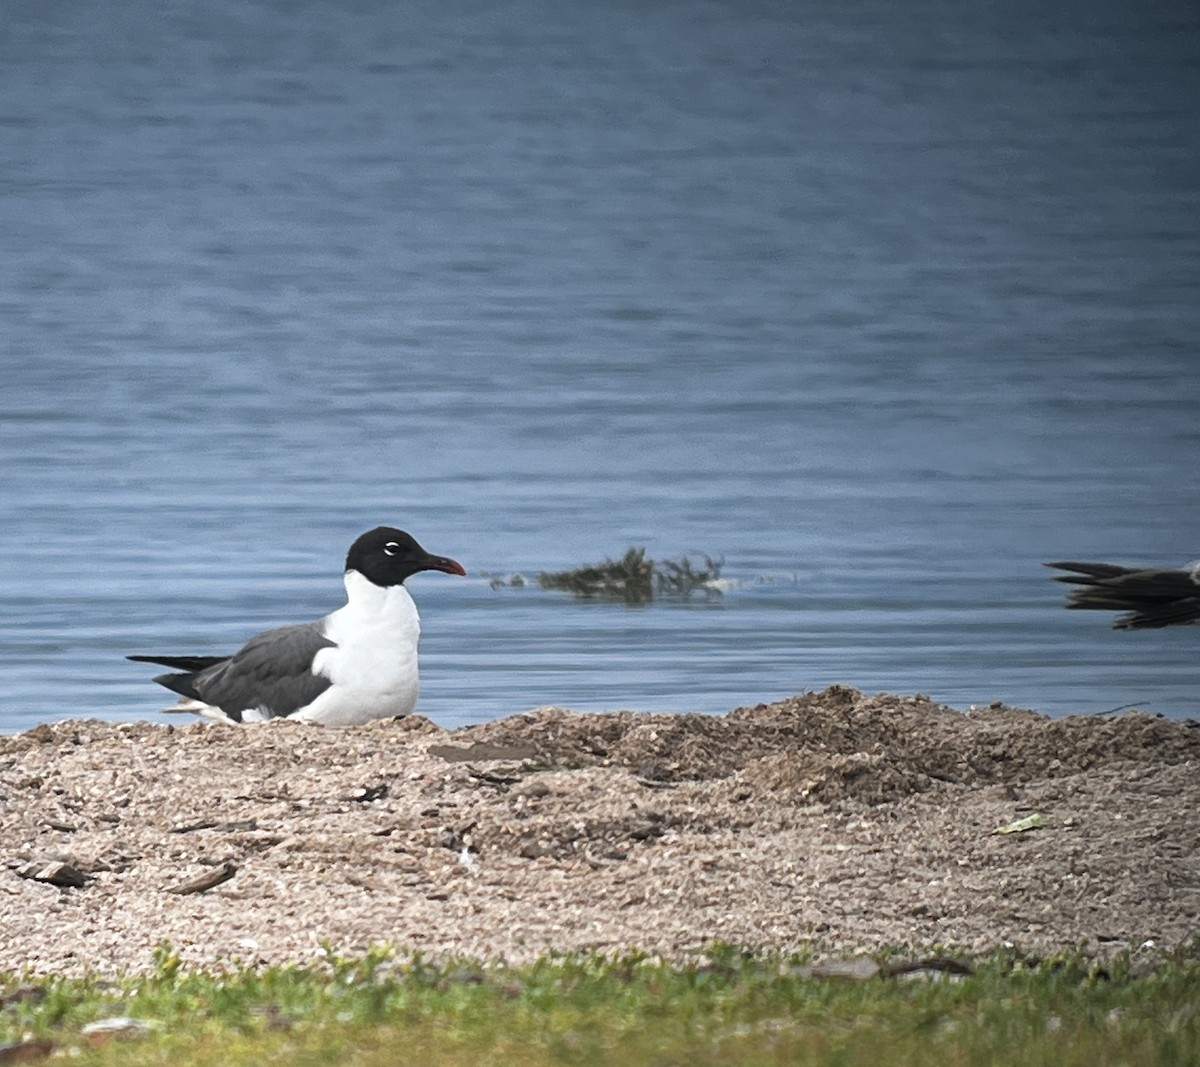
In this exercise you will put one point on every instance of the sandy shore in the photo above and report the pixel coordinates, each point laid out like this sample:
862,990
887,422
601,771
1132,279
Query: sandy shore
856,821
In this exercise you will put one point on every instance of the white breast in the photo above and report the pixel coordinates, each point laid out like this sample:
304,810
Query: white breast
373,668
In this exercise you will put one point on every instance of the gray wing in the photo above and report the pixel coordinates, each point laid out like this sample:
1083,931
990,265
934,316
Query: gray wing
1150,597
271,672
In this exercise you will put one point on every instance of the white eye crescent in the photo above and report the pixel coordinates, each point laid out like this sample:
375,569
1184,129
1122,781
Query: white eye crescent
391,548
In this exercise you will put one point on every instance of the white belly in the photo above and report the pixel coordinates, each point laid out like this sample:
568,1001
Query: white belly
373,668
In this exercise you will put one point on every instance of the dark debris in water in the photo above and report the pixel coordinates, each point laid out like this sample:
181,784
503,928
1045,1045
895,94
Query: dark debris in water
636,579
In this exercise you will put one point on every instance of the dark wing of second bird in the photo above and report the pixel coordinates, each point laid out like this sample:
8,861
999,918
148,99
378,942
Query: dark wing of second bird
1150,597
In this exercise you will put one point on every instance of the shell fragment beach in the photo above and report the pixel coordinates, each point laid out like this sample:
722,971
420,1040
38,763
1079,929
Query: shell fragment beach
835,818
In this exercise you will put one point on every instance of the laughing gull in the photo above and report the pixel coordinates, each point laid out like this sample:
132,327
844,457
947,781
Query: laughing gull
356,664
1150,597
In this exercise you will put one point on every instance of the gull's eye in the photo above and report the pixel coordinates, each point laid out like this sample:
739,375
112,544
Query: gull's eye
391,548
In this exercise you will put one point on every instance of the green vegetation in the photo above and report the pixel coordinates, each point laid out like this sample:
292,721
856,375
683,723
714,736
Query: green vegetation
635,579
729,1009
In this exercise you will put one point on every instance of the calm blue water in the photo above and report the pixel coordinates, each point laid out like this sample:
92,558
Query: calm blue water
885,304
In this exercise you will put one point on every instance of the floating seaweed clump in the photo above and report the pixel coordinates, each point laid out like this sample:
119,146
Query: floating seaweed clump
636,579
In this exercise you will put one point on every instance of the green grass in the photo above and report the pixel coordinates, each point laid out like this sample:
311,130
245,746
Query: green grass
730,1009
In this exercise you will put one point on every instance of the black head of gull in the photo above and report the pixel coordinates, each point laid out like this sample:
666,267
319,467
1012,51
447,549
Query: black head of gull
1150,597
386,556
356,664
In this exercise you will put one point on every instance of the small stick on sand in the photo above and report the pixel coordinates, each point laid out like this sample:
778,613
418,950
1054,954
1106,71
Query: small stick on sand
206,880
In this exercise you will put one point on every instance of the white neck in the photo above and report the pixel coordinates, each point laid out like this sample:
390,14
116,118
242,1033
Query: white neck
368,604
360,590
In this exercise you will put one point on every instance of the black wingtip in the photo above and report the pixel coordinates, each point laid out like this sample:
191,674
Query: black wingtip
181,663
